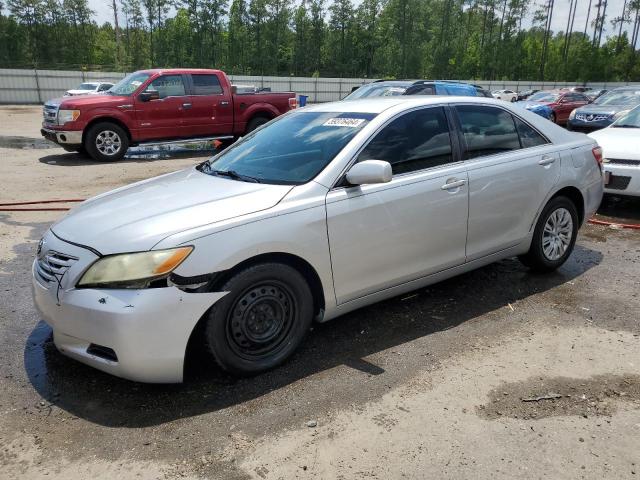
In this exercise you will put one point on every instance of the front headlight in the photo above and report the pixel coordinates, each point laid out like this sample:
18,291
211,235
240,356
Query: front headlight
65,116
133,270
572,115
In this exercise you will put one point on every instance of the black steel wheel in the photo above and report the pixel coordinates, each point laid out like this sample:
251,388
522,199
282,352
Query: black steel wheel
262,319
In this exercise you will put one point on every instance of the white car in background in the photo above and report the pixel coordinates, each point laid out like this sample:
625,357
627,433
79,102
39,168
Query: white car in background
620,143
506,95
87,88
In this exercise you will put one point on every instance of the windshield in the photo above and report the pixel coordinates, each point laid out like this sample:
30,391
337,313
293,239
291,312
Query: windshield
129,84
377,90
621,97
630,120
544,97
290,150
87,86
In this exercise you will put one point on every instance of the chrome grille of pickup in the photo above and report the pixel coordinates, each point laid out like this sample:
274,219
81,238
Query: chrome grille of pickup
50,113
52,266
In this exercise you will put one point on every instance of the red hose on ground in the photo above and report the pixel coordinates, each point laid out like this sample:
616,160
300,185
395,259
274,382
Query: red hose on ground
635,226
45,209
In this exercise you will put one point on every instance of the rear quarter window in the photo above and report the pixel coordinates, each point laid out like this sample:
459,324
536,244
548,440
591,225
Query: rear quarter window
487,130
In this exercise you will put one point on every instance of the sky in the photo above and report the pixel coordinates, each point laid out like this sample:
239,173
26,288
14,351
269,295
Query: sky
104,13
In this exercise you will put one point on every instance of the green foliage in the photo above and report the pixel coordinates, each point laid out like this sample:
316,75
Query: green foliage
443,39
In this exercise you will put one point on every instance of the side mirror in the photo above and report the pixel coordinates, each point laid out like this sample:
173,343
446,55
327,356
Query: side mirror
370,172
148,96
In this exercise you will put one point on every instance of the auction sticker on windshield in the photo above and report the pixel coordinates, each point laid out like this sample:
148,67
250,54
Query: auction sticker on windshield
344,122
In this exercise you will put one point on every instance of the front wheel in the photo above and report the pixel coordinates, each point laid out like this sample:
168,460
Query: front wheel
553,117
261,321
554,236
106,142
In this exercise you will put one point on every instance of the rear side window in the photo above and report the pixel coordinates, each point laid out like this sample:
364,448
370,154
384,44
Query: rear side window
415,141
529,137
487,130
204,84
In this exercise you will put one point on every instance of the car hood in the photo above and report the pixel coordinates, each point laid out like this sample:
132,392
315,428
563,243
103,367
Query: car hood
532,105
603,109
89,100
138,216
79,92
617,142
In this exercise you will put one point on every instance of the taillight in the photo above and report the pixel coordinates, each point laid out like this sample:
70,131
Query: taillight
597,154
293,103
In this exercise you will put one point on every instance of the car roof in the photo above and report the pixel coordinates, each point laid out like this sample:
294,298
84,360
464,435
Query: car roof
180,70
379,105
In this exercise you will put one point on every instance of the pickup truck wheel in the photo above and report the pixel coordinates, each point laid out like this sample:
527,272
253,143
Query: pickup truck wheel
255,123
106,142
261,321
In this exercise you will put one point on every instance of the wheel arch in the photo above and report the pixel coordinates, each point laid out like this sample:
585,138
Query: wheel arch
194,344
106,119
575,195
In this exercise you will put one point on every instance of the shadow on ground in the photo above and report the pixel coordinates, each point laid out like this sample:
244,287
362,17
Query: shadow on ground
110,401
619,209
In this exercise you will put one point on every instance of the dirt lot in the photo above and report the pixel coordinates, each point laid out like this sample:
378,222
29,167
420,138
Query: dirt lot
495,374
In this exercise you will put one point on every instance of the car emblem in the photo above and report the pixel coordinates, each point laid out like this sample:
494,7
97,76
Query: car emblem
589,117
40,245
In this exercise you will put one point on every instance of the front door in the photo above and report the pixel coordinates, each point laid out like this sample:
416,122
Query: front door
512,168
163,118
384,235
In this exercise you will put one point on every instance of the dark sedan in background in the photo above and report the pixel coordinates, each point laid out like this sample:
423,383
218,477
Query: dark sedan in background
604,110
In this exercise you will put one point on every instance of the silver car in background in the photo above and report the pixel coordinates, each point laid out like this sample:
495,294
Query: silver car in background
320,212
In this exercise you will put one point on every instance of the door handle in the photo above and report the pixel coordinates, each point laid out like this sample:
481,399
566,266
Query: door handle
223,103
547,160
452,183
186,106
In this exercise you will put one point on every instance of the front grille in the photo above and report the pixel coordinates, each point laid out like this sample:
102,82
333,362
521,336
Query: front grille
52,266
588,117
623,161
618,182
50,113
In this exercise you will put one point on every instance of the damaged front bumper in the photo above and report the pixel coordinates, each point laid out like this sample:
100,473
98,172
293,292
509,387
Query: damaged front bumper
139,335
63,137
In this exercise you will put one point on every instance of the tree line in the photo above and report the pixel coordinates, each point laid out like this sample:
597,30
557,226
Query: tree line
446,39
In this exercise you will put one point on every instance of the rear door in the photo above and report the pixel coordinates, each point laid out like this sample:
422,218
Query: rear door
163,118
512,168
211,112
387,234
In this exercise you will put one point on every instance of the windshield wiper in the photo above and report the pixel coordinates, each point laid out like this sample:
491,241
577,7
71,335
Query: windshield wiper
234,175
626,125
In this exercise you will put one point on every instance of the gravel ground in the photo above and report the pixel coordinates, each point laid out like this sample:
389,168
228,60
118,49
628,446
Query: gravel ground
494,374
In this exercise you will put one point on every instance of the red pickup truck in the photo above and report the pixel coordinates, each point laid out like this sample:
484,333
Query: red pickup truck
152,106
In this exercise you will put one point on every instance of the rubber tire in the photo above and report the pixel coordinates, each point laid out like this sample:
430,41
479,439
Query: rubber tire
90,142
553,118
256,122
535,258
513,99
216,343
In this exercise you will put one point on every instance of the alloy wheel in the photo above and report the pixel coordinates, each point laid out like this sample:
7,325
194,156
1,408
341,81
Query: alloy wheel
108,142
557,234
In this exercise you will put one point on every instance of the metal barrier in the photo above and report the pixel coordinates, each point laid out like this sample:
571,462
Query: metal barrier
19,86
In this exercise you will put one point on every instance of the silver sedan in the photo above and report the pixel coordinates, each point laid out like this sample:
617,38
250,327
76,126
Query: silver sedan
319,212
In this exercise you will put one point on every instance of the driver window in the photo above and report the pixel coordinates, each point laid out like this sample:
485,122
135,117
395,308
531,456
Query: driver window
414,141
167,86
